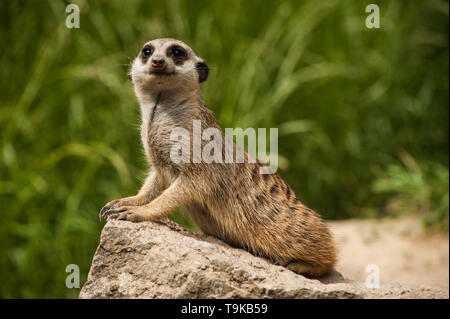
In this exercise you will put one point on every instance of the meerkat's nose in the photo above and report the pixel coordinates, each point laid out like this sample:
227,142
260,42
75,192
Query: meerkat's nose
158,62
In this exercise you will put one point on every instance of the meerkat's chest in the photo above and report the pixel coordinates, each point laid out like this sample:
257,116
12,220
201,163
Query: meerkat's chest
145,122
156,131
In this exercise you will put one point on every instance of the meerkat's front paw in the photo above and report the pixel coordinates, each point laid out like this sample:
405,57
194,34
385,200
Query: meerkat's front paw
129,215
114,207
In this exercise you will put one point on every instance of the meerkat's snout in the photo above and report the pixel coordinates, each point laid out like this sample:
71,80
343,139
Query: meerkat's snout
159,67
158,62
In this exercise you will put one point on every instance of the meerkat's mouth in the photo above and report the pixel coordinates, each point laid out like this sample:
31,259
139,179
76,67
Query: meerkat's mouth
162,73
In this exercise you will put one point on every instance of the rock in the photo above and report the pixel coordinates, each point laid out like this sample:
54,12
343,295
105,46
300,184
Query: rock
163,260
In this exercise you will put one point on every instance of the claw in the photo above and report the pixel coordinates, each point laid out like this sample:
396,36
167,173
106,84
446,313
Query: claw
106,209
103,211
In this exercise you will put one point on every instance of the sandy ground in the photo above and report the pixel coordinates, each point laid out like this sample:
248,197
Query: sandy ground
402,250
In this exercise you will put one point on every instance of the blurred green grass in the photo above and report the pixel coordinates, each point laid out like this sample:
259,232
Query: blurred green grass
362,113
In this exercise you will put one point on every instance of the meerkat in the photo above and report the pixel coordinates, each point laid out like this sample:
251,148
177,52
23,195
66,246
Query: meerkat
231,201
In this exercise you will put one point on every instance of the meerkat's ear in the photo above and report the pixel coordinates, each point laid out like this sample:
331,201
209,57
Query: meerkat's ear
202,70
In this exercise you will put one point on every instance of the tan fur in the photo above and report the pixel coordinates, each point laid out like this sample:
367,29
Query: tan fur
233,202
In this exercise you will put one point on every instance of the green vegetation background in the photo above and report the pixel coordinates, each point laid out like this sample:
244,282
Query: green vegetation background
362,113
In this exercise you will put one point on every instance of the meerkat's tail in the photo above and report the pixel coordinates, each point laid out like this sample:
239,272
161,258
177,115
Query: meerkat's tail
309,270
317,268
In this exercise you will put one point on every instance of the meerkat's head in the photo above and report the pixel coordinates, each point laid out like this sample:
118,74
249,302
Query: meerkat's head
167,64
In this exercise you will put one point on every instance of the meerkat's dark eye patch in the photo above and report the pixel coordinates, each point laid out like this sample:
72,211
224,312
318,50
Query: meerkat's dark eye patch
146,52
202,70
178,54
177,51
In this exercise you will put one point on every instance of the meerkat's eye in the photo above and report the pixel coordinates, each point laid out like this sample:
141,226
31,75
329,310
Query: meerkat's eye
146,52
178,52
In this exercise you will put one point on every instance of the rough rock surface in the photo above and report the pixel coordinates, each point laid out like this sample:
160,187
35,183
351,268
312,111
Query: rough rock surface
163,260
